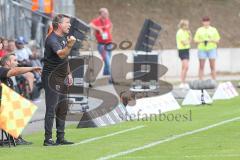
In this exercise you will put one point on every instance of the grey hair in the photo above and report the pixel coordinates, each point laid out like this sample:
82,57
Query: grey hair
58,19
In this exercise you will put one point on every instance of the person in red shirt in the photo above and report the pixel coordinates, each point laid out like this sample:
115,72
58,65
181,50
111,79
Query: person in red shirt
103,33
2,50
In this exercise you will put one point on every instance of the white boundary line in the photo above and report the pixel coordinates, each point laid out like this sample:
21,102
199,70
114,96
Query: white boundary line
92,139
168,139
108,135
184,156
212,155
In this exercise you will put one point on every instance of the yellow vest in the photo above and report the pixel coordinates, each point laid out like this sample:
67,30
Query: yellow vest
207,34
183,35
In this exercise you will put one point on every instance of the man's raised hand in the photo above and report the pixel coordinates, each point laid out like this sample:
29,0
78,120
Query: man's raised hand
70,41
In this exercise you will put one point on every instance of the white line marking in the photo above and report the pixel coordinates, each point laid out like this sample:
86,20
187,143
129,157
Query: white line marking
108,135
212,155
168,139
183,156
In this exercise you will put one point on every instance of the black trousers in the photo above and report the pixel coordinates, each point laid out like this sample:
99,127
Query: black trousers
56,104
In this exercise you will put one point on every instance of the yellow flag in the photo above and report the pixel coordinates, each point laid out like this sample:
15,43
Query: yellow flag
15,111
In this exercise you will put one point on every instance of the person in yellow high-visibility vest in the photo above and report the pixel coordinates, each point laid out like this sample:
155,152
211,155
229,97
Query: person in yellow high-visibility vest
207,38
184,38
45,7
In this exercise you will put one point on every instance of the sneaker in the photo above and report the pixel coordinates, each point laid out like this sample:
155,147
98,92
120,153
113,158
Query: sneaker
182,85
186,86
21,141
63,142
49,142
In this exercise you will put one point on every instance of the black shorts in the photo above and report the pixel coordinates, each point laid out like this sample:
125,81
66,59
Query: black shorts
183,54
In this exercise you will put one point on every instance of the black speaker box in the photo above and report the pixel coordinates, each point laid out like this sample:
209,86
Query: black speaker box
148,36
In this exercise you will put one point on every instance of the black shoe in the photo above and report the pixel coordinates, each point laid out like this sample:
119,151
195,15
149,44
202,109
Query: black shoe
49,142
21,141
63,142
110,81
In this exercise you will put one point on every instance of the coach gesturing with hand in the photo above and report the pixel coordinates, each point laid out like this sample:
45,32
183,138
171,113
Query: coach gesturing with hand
56,73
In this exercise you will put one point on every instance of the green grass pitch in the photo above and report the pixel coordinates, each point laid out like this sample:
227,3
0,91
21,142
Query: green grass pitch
218,143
